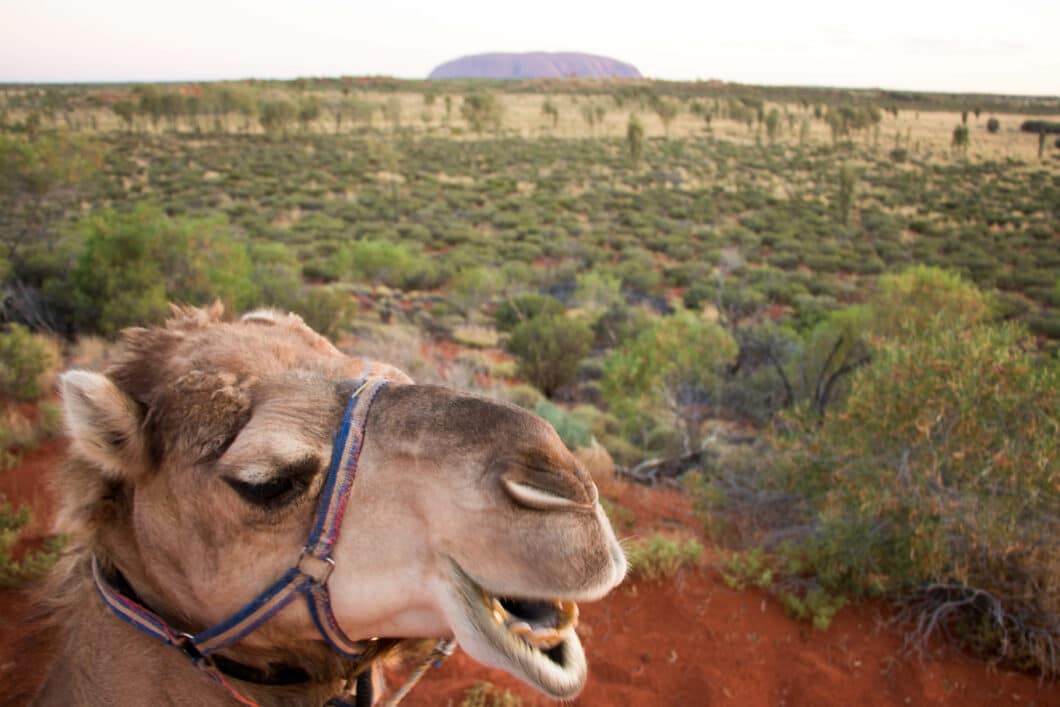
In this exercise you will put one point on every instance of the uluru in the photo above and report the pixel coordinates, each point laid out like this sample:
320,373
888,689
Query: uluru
534,65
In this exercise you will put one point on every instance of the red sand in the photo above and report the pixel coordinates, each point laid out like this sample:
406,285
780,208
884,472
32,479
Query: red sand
689,640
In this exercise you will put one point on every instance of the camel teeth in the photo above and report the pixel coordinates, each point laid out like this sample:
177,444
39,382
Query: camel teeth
521,629
568,616
498,617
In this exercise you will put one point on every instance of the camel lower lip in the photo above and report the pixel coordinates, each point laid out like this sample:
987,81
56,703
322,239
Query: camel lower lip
543,650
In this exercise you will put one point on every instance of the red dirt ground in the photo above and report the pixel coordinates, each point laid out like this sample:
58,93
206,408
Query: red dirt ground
688,640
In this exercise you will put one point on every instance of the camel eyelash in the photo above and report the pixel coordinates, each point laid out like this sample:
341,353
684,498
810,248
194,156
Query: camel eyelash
270,494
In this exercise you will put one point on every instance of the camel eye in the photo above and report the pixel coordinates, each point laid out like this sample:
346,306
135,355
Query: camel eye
269,494
289,483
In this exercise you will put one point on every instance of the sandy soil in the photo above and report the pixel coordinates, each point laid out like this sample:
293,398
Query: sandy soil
688,640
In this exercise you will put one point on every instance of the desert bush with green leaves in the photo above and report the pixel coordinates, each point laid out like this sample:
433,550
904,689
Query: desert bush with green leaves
933,482
15,573
661,556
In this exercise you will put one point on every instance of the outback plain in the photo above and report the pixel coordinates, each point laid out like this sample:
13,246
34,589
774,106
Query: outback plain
806,341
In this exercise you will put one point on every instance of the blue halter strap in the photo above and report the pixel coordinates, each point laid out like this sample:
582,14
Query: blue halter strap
308,577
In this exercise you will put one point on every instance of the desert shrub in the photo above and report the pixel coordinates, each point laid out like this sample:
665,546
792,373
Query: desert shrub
15,573
548,349
941,471
921,298
523,395
521,308
934,482
597,291
638,272
671,370
327,310
473,287
574,432
993,125
129,265
485,694
661,556
381,262
1046,324
23,360
698,294
619,323
278,273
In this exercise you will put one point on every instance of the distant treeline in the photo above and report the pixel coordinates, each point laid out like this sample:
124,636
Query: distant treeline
645,89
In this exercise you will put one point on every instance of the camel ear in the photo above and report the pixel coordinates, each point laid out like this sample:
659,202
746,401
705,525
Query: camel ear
103,423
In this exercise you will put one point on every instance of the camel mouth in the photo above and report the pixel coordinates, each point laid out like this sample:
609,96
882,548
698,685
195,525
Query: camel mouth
532,638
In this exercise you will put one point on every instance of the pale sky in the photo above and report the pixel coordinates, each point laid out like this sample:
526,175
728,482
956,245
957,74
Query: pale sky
1001,46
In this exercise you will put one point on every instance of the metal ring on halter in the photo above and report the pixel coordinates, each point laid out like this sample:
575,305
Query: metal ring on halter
328,562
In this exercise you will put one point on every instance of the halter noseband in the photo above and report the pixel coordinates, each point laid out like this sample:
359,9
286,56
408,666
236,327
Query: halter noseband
308,577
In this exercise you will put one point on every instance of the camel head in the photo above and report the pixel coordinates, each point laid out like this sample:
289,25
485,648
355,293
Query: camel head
198,455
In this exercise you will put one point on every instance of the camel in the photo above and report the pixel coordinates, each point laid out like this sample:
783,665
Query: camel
196,460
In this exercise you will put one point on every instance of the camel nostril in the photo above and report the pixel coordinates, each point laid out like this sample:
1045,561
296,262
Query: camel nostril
536,497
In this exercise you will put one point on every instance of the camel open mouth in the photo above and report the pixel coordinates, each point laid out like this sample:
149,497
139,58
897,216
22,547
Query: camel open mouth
532,638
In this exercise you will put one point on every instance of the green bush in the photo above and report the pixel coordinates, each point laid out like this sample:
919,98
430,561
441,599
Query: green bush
938,477
574,432
278,273
670,371
380,262
521,308
129,265
15,573
326,310
933,483
662,556
924,298
23,359
548,349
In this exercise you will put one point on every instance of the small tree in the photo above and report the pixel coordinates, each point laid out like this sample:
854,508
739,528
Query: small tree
847,188
548,350
126,111
549,109
308,111
635,139
772,124
482,111
276,115
960,139
666,110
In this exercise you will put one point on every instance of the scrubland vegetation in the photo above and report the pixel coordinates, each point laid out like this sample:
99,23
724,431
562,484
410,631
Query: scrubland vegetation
834,317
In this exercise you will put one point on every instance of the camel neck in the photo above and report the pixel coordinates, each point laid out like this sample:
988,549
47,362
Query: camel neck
99,659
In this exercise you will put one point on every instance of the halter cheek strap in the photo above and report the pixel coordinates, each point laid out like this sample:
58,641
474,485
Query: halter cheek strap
308,577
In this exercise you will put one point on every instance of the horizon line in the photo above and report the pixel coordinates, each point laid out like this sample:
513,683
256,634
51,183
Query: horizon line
126,82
